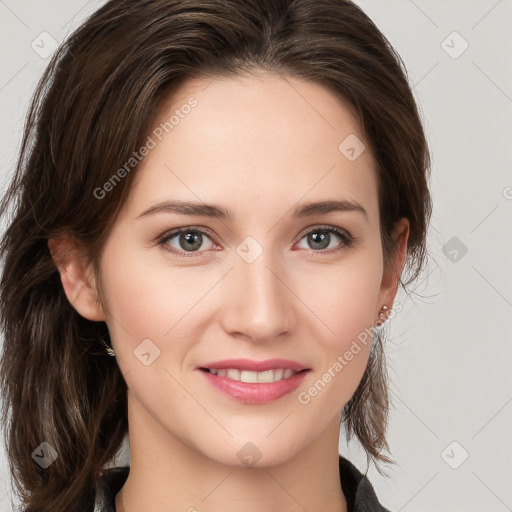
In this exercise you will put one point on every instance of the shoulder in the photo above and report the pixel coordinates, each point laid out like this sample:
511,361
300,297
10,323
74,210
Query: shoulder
358,490
109,485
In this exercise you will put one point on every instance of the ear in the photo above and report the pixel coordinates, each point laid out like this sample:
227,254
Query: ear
77,277
393,268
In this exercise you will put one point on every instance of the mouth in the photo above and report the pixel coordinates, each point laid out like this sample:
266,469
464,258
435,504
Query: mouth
248,376
254,382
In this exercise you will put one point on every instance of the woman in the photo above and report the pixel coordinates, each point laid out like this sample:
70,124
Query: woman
214,205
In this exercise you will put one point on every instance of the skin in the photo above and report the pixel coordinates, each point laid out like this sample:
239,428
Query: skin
258,145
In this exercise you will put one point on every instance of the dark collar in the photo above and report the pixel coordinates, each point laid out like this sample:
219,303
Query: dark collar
356,487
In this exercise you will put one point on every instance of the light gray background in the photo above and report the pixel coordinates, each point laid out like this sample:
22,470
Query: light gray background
449,353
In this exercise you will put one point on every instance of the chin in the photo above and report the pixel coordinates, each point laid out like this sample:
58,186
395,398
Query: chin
258,454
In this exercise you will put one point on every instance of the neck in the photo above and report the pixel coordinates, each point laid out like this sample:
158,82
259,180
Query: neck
166,475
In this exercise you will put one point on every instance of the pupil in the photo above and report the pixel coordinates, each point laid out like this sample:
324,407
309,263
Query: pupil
193,239
321,238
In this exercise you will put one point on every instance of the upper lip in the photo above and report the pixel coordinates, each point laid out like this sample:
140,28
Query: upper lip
255,366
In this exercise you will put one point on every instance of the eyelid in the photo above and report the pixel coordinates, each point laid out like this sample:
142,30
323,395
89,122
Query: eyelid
326,227
164,237
175,231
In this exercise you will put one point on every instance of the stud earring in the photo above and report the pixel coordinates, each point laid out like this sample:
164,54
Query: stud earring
383,310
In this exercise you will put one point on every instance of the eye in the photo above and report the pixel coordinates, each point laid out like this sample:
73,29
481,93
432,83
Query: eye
321,237
186,240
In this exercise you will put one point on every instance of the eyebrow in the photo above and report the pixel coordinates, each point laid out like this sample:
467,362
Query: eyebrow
218,212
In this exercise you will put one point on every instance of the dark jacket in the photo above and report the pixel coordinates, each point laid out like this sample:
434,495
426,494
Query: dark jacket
356,487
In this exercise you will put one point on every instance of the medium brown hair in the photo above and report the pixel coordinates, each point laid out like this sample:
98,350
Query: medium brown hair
93,107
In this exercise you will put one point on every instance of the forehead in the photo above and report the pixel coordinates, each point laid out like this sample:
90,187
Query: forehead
253,141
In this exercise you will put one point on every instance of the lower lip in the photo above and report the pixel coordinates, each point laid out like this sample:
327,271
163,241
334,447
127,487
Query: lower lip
252,392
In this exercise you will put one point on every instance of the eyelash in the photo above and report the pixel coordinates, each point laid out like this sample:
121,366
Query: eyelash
347,240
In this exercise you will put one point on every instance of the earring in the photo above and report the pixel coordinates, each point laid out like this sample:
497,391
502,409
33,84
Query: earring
108,348
383,310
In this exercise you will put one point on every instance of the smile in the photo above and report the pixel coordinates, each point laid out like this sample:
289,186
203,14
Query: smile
252,387
252,377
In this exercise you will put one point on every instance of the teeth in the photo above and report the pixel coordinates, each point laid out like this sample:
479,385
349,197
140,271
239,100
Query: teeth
268,376
233,374
248,376
287,373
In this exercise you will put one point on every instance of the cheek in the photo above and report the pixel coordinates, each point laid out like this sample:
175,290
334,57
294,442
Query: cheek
345,302
344,358
152,301
344,296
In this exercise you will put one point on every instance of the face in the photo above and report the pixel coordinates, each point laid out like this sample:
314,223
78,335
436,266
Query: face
259,277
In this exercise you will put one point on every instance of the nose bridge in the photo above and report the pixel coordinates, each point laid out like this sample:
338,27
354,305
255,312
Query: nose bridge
260,303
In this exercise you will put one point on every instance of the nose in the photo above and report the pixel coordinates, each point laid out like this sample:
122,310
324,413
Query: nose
259,303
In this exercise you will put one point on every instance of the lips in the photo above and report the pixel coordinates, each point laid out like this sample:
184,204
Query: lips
254,382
